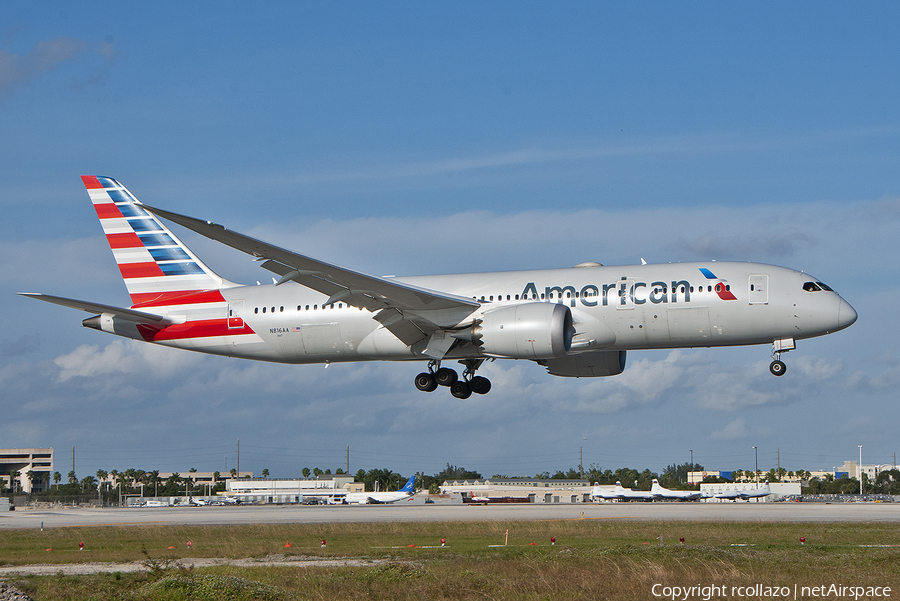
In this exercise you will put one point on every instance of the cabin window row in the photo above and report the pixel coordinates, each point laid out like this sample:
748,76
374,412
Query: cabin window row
316,307
587,294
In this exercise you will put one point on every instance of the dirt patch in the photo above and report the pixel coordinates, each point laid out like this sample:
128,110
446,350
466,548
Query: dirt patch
74,569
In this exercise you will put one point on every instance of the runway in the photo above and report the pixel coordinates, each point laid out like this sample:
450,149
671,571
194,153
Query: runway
64,517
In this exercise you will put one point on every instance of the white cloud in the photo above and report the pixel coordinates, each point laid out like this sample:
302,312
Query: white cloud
46,55
735,429
124,357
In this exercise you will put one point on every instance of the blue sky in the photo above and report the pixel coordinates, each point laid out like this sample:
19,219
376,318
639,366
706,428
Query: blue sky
405,138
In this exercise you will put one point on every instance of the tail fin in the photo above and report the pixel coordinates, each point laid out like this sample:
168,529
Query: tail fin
155,265
408,487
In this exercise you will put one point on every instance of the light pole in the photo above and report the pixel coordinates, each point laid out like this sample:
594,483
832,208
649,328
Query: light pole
692,466
860,469
756,471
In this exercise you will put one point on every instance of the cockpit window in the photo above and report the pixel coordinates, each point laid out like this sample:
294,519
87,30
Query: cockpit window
824,287
811,287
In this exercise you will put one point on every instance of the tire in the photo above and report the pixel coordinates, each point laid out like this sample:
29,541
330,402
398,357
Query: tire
426,382
445,376
480,385
777,368
461,389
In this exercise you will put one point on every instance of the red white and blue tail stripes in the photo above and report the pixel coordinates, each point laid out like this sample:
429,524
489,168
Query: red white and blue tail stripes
155,265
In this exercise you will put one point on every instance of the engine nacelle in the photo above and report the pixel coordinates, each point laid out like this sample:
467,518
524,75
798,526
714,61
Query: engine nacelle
587,365
523,331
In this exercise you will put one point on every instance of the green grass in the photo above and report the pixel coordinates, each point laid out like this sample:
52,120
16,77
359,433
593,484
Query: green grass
592,559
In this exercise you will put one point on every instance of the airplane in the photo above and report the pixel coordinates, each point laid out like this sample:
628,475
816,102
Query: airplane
752,493
664,493
620,494
575,322
363,498
477,500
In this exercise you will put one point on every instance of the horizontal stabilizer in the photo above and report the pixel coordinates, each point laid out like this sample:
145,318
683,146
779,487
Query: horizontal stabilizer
90,307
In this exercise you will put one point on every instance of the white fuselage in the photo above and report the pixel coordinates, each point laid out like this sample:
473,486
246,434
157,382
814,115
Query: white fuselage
613,308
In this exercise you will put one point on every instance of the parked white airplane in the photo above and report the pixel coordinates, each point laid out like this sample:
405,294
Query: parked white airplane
363,498
473,498
664,493
621,494
575,322
745,494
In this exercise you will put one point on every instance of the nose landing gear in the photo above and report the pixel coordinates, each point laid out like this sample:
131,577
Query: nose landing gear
444,376
777,367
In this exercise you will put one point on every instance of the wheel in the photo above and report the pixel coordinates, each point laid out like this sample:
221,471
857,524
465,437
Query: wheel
480,385
445,376
426,382
461,389
777,368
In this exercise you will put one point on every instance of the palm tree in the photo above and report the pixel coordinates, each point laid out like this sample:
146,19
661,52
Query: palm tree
265,473
56,478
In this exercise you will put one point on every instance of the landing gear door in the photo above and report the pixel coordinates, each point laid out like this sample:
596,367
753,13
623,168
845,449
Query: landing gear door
235,310
758,290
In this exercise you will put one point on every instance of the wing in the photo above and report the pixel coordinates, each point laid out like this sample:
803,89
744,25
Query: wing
411,313
90,307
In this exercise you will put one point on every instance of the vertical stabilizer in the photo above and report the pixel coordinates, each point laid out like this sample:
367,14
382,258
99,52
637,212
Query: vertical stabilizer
156,266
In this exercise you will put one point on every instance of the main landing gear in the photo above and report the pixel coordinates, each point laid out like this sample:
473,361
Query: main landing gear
444,376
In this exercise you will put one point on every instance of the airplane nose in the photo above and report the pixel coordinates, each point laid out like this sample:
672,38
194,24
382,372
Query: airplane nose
846,315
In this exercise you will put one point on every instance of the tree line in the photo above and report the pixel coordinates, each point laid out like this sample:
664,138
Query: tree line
108,487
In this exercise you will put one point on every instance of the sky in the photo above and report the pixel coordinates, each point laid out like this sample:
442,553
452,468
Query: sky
413,138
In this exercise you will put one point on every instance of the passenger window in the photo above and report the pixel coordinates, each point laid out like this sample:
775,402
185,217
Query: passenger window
281,310
256,309
264,309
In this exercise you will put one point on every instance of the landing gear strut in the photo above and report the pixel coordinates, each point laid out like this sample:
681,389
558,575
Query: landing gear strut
777,367
444,376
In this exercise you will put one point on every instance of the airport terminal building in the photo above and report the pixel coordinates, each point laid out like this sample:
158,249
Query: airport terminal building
15,464
524,490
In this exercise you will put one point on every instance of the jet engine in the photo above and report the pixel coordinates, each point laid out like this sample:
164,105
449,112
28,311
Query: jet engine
523,331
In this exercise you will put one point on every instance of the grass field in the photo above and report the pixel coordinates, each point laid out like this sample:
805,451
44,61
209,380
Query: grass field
592,559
